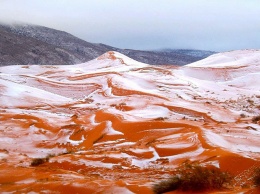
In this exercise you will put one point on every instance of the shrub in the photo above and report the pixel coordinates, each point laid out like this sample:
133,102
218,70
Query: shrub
256,177
242,115
164,186
256,119
38,161
194,177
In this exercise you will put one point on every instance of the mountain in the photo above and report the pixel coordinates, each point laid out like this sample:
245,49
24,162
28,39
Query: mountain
116,125
32,44
29,44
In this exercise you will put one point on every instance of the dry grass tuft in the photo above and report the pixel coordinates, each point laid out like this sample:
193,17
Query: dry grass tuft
194,177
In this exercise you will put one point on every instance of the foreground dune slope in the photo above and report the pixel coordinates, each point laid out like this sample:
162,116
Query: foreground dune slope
115,125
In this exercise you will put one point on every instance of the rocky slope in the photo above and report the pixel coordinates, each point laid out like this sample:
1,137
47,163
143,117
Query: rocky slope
30,44
115,125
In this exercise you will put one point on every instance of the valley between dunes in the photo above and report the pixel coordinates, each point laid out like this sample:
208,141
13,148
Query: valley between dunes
115,125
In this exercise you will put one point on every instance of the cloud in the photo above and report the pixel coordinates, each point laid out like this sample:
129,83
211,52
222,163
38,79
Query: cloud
147,24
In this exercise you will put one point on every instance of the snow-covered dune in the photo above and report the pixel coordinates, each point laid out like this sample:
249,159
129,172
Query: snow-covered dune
103,122
237,68
233,59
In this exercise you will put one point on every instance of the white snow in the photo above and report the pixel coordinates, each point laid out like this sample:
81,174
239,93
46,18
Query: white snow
15,94
150,111
249,81
128,60
118,190
219,141
111,131
142,163
237,58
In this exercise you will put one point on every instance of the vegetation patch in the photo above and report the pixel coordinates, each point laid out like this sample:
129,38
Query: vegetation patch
194,177
242,115
39,161
256,119
256,177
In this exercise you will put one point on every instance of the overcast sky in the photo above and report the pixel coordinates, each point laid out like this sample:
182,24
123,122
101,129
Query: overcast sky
218,25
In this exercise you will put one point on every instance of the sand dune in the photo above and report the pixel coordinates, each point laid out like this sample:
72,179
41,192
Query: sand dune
115,125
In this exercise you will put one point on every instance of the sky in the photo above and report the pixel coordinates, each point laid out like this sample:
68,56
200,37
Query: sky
217,25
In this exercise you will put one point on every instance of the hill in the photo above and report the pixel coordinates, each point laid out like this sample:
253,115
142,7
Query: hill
32,44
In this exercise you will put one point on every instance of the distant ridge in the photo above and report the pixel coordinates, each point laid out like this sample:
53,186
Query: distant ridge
32,44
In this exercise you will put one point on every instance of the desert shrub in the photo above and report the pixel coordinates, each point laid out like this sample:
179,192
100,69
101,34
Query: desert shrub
256,177
250,101
256,119
168,185
194,177
38,161
50,156
242,115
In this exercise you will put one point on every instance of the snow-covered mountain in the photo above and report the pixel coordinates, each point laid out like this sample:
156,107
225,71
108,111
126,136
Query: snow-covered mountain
116,125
